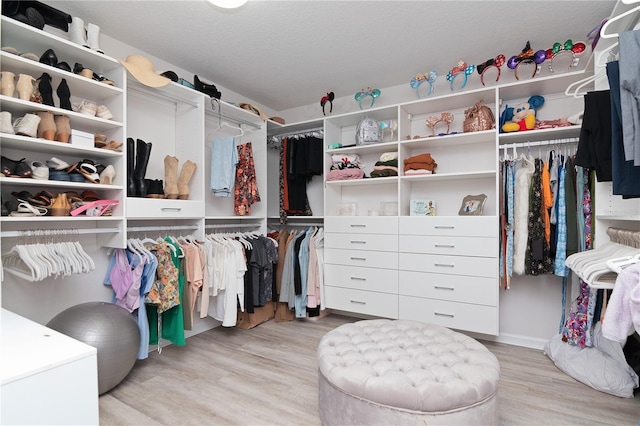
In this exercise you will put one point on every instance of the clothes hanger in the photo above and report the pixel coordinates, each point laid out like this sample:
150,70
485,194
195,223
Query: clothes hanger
603,30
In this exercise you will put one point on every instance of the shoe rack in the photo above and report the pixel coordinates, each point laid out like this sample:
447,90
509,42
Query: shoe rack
26,39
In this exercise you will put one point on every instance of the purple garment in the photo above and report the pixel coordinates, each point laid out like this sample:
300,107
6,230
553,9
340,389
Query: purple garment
126,281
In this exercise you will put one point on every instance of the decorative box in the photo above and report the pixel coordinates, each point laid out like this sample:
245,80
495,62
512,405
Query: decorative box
82,139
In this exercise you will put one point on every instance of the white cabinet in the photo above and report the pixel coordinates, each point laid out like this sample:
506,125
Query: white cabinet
25,38
47,377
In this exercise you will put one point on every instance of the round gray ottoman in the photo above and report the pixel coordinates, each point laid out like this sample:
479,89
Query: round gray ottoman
397,372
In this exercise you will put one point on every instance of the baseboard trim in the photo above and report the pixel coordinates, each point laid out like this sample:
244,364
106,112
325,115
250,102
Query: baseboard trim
513,339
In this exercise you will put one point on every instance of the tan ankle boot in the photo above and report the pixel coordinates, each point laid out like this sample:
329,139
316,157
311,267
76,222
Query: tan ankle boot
47,126
188,168
63,128
171,177
60,205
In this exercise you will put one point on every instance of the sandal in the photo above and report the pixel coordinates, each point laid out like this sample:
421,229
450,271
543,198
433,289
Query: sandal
57,164
26,209
95,208
113,146
90,172
74,197
90,196
16,168
25,195
41,199
39,170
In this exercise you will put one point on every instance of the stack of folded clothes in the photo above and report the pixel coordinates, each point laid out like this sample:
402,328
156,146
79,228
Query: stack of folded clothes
387,166
345,167
421,164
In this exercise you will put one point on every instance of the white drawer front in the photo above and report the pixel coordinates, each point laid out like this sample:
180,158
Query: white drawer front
369,259
474,226
455,288
458,246
455,265
363,302
149,208
461,316
362,224
358,278
379,242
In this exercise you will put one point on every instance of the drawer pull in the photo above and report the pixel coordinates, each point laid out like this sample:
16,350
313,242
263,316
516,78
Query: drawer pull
357,242
171,209
359,278
442,314
359,302
445,227
446,265
442,287
358,225
358,258
445,245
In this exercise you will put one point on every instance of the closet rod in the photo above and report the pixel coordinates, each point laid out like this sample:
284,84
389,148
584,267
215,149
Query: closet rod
540,143
160,228
232,225
298,224
163,95
232,119
55,232
295,133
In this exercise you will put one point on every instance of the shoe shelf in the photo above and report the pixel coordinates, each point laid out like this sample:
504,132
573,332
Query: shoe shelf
540,135
456,140
63,185
363,182
38,145
27,39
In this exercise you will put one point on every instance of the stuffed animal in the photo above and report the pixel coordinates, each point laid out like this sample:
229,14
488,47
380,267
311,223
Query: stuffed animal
522,116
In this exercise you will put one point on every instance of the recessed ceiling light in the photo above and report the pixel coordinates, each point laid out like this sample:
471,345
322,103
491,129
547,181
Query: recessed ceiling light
227,4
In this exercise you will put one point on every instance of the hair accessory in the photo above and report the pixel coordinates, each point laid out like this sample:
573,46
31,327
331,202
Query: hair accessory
594,35
374,93
445,117
496,62
527,56
327,98
575,49
388,127
143,70
462,68
429,77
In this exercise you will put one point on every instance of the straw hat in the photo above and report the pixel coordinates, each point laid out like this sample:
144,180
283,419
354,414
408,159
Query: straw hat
143,71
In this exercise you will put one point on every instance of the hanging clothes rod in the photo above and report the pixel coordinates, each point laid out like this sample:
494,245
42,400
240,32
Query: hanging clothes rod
298,224
232,119
57,232
232,225
160,228
296,133
540,143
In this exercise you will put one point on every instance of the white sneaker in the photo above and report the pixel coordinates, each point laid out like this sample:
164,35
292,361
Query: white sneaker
85,107
5,123
103,112
27,125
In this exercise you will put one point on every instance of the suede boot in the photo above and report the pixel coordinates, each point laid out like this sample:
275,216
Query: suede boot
143,152
131,161
64,94
45,89
46,127
188,168
63,128
171,177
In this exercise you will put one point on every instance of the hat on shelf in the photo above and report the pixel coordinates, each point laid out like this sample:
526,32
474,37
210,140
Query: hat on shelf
142,69
254,109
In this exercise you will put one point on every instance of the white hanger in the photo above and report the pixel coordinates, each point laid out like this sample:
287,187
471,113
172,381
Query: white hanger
223,123
603,30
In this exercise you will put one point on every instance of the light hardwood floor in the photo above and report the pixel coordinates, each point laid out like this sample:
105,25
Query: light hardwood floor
268,376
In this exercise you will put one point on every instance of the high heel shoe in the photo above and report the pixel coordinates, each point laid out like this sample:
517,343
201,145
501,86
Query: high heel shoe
107,175
64,94
49,57
47,126
45,89
63,128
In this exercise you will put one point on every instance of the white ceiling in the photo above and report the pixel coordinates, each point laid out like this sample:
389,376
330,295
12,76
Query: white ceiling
286,54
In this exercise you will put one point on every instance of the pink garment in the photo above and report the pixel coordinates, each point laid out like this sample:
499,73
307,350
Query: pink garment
417,172
345,174
126,281
385,168
549,124
618,319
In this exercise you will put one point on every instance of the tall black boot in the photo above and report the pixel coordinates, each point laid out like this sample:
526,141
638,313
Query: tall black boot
64,95
143,152
46,91
131,161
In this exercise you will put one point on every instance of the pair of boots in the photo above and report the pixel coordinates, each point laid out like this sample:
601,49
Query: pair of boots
177,186
138,153
46,92
89,37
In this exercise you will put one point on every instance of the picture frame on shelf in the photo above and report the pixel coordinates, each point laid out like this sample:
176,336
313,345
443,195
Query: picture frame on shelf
422,208
472,205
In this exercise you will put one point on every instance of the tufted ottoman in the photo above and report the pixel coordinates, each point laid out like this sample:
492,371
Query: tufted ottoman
385,372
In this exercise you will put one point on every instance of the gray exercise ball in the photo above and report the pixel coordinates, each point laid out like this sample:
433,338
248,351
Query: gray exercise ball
110,329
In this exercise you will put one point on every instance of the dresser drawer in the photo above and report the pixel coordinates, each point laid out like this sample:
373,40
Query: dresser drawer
461,316
458,246
369,259
455,265
359,278
361,224
455,288
379,242
473,226
149,208
363,302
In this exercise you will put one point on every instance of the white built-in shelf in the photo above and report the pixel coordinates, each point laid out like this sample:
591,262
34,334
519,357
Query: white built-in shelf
362,182
481,174
36,145
451,140
554,134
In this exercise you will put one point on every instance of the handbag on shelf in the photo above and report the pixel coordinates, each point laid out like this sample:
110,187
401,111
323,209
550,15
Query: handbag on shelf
478,117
